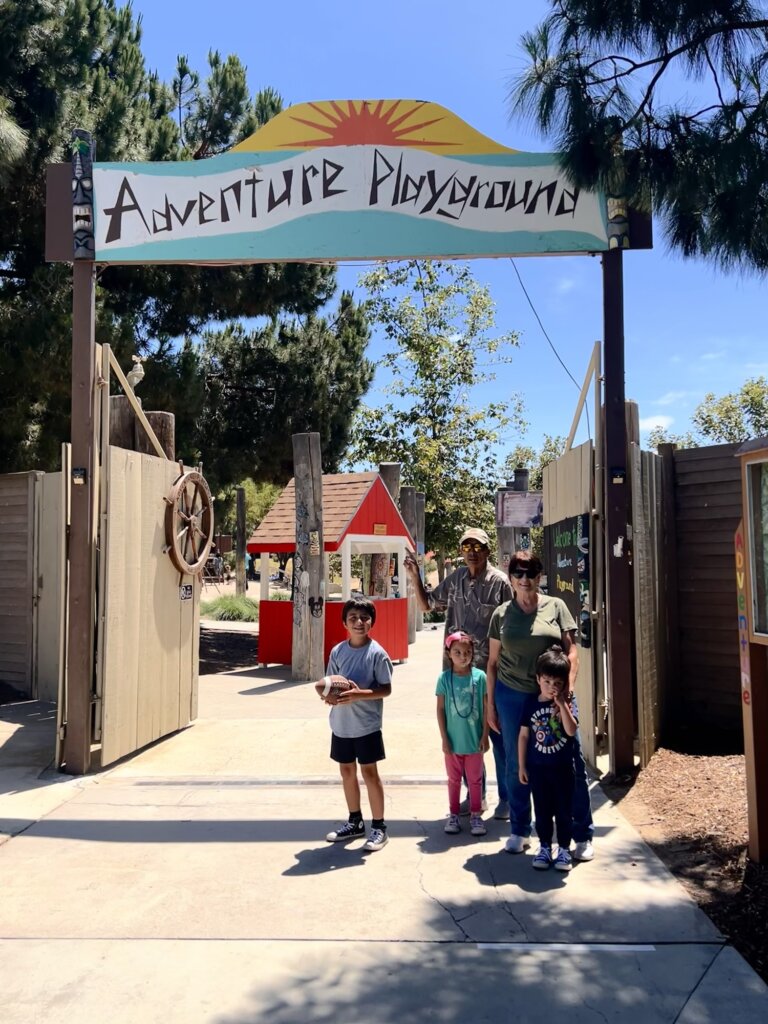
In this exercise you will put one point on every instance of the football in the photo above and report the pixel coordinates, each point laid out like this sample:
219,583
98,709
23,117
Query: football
329,687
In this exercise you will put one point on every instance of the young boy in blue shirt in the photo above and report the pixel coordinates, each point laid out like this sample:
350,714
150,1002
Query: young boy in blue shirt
355,719
545,756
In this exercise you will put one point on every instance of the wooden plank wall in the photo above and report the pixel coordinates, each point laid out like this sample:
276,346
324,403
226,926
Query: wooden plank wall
17,569
568,485
568,492
650,598
150,640
707,503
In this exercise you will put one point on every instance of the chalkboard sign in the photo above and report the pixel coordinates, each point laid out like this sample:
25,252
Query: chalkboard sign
566,550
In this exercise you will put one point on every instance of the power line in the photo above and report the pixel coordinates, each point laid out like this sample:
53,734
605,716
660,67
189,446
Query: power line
549,340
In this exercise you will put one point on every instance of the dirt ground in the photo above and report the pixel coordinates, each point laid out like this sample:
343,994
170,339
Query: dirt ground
692,811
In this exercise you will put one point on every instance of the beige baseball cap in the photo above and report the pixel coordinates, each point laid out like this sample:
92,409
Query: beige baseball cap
475,534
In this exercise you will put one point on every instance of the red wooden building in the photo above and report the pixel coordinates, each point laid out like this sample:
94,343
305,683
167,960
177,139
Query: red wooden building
359,518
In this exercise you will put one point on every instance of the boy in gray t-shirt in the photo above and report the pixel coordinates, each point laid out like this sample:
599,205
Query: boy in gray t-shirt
355,720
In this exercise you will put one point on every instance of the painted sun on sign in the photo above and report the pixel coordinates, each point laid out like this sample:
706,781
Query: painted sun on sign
415,124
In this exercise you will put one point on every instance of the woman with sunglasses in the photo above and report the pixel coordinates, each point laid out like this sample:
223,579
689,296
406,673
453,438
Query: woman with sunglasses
519,632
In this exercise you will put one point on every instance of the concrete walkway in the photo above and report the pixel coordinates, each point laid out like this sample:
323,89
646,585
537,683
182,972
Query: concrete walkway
192,883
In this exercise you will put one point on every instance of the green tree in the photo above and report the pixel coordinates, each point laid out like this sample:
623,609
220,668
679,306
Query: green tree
732,417
69,63
600,80
439,326
259,499
535,459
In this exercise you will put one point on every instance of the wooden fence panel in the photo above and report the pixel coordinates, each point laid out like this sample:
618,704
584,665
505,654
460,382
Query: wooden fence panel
649,593
707,510
17,579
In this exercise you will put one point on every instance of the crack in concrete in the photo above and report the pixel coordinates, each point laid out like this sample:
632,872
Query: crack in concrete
466,936
506,906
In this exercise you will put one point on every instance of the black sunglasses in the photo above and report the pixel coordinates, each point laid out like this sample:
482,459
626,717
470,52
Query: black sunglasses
530,573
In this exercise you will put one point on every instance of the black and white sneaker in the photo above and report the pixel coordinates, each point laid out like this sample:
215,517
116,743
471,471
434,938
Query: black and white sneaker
376,839
349,830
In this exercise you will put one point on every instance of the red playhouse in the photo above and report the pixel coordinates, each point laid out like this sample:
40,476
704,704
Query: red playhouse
359,518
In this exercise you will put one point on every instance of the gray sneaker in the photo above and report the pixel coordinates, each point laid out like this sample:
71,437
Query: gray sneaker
452,826
502,811
476,826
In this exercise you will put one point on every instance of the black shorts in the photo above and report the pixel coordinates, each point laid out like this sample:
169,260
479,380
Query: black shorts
363,749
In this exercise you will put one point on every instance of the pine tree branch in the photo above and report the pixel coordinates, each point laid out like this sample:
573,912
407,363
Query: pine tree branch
666,58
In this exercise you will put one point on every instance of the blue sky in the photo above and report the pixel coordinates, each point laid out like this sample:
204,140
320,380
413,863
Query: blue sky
689,328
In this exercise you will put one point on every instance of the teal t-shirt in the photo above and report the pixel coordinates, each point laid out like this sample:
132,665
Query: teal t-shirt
464,696
525,636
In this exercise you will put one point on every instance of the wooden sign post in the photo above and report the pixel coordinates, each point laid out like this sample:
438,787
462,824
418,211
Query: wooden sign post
307,660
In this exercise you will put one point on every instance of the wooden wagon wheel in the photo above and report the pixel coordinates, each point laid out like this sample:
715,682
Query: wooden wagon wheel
189,522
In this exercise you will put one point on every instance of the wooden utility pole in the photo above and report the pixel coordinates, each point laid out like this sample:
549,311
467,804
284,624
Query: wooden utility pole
308,563
408,512
618,570
240,584
80,636
420,549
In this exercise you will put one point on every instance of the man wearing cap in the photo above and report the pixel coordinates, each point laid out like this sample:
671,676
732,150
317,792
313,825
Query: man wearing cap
469,596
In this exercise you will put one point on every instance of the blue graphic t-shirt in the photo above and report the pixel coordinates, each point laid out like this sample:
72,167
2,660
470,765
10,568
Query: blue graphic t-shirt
548,742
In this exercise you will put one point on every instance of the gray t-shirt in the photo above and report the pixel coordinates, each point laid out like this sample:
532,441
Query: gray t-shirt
469,603
368,666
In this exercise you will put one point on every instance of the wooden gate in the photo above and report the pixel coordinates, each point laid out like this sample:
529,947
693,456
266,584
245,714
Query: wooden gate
148,629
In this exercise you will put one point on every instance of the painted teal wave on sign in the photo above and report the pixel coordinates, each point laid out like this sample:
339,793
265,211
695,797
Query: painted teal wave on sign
242,160
356,235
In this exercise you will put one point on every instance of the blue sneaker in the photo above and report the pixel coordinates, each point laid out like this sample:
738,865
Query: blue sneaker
543,858
563,860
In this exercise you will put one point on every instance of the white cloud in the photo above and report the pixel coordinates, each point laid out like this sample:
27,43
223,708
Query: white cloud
671,397
676,359
712,355
565,285
647,423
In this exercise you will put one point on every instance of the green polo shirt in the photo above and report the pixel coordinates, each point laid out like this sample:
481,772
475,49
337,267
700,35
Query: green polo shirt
524,636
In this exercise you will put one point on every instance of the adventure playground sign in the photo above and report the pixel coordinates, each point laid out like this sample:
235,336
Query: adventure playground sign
351,180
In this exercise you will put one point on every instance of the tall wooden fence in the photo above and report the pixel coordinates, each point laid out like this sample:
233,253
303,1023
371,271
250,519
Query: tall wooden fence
703,655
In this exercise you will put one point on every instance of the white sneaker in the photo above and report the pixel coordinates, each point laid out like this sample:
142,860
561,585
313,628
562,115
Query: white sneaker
516,844
584,851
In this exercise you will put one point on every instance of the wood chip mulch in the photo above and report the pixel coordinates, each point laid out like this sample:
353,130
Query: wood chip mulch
692,811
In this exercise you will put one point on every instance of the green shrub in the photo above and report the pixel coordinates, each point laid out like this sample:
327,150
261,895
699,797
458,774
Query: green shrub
434,616
230,608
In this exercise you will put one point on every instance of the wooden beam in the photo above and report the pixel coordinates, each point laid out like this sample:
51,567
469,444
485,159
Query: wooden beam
136,406
618,570
240,582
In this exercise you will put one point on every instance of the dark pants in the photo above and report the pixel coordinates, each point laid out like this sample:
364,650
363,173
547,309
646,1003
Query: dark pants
552,790
583,826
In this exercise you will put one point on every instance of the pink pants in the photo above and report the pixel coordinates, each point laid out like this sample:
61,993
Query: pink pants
471,765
